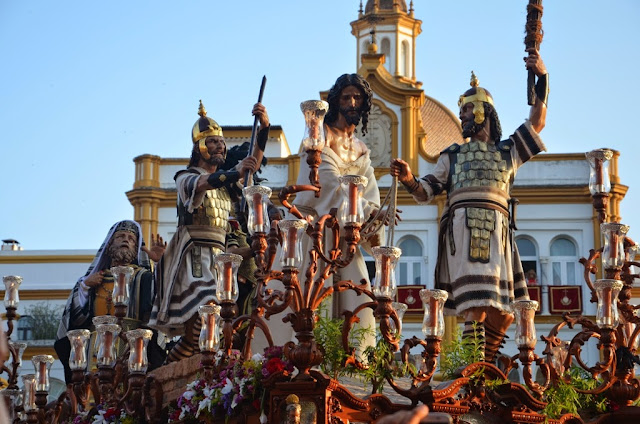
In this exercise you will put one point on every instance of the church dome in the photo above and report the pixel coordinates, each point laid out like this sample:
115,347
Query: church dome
385,5
441,126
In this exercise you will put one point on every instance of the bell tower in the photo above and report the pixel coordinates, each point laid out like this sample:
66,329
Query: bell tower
391,26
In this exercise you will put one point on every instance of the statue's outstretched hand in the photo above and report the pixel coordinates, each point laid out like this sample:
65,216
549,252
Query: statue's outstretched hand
157,249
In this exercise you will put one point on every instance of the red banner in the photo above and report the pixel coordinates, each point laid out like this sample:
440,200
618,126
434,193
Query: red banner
565,299
410,295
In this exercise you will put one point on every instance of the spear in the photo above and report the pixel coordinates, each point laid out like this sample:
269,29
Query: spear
532,39
252,142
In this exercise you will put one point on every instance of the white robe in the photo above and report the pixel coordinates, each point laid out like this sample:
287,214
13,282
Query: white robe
331,196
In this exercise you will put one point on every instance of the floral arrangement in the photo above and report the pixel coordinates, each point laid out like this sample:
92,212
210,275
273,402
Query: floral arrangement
102,414
236,386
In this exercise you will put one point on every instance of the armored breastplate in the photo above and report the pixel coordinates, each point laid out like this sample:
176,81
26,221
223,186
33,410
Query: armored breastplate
214,211
481,164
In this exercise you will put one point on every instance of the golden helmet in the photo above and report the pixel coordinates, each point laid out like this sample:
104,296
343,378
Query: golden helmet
203,128
476,95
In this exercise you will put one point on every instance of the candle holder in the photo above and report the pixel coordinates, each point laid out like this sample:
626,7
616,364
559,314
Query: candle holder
314,112
400,309
314,140
351,211
107,337
598,159
122,280
613,255
138,340
525,311
11,284
42,365
258,200
292,231
433,322
29,400
11,399
209,341
607,313
227,271
385,280
599,184
78,356
19,347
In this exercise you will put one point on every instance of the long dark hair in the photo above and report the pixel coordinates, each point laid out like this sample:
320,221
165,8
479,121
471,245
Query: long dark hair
333,98
496,129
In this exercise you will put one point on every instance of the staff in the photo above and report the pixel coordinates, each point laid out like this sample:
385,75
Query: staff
533,38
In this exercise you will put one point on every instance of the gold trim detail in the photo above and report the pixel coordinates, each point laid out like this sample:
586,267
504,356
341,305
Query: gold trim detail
47,294
45,259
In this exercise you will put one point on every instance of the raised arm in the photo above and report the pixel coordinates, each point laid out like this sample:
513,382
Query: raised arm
538,114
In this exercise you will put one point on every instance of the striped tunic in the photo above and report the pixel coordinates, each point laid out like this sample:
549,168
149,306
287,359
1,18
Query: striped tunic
184,276
473,281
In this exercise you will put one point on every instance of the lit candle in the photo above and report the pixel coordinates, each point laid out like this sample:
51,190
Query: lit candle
433,309
121,284
598,172
353,201
139,350
42,374
108,341
227,276
211,323
524,325
314,130
606,310
385,274
614,247
257,207
292,238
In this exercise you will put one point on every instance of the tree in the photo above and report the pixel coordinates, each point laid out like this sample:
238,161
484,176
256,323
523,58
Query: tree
46,318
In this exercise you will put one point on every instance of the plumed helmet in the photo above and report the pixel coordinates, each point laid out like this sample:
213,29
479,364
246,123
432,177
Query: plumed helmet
476,95
203,128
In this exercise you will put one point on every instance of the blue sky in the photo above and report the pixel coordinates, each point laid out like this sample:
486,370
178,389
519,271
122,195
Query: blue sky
87,86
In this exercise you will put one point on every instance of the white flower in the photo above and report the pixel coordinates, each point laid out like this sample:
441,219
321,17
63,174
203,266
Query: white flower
234,402
188,394
99,419
228,386
207,391
263,418
185,410
257,357
204,404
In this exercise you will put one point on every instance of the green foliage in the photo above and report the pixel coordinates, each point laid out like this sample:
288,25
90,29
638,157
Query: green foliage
461,352
328,334
382,363
564,398
46,318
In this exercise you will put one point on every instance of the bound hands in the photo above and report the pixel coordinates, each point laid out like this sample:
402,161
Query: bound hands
157,249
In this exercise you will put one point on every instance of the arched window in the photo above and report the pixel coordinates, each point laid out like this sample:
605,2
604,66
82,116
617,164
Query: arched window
564,261
410,269
405,60
385,48
25,327
529,258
